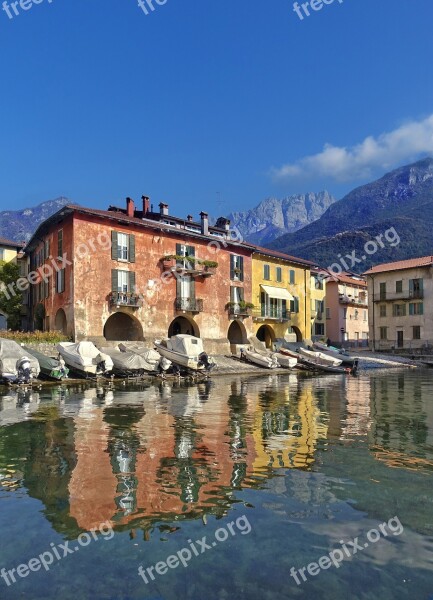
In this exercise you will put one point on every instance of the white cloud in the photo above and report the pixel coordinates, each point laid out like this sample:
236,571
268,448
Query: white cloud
388,150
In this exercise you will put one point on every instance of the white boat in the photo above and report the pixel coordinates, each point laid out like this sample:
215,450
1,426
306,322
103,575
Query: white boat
320,359
335,353
151,359
259,359
17,366
286,361
85,359
185,351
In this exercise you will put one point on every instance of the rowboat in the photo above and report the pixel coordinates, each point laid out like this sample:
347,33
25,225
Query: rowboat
288,362
85,359
261,360
16,366
50,367
185,351
319,358
334,352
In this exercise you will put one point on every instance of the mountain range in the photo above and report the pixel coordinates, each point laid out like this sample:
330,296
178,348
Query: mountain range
19,225
401,199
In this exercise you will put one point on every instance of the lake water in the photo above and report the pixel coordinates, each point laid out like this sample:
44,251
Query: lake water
234,482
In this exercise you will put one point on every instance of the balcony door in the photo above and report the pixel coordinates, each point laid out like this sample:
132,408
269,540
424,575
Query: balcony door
186,292
400,340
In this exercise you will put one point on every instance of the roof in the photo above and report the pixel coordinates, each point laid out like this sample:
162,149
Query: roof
348,279
411,263
10,243
276,254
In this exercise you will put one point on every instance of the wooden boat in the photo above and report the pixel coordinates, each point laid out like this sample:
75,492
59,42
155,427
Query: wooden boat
319,358
85,359
337,353
50,367
285,361
259,359
185,351
16,366
151,360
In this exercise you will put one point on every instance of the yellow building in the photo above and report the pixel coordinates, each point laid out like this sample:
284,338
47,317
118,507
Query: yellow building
317,304
8,253
281,296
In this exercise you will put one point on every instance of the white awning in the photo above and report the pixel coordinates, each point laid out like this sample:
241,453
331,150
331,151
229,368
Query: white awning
278,293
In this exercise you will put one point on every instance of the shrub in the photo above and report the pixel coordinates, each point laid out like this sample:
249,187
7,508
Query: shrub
35,337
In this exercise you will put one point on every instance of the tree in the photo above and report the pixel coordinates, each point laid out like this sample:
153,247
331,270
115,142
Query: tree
10,302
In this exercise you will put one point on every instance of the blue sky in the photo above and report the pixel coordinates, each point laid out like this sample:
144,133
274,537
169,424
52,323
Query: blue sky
100,101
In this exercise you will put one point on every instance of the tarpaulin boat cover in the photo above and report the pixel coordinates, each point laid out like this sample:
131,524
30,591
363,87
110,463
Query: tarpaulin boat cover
149,354
83,353
185,344
129,361
46,362
10,352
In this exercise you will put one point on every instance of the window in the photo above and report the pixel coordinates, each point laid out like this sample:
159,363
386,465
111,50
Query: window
382,310
47,249
294,305
236,297
266,272
416,308
292,278
236,267
399,310
382,287
318,282
279,274
60,243
416,288
122,246
383,333
60,281
328,313
416,332
122,282
399,287
319,329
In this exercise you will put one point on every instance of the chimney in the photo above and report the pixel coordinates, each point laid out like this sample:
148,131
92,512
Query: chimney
204,223
189,218
146,205
130,207
223,223
163,208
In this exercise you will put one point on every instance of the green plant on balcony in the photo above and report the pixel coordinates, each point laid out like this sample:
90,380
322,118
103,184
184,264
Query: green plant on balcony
192,260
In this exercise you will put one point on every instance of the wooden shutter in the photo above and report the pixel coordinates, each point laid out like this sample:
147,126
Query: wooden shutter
132,248
60,243
232,266
178,249
178,287
232,294
114,247
241,266
192,288
296,305
190,250
114,280
241,294
131,283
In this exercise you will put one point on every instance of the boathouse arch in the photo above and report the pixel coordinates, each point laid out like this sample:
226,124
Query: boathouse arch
61,322
123,327
237,334
183,325
298,333
266,334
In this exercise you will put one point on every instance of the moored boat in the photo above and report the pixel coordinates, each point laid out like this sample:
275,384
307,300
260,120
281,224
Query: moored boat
185,351
319,358
85,359
285,361
334,352
152,361
16,366
51,368
259,359
127,363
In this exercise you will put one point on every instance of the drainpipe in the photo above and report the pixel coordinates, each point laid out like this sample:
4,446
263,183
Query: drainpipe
374,320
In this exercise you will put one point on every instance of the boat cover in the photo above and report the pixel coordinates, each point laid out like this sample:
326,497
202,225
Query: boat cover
46,362
84,353
185,344
10,352
128,360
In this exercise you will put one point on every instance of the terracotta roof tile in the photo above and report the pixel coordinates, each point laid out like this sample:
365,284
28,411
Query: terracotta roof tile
411,263
6,242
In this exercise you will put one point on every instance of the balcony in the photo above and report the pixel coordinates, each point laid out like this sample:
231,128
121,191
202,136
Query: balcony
405,295
192,305
355,301
269,313
238,310
125,299
189,266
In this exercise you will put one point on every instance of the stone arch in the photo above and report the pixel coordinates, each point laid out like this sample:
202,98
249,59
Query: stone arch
237,334
266,334
183,325
122,327
298,333
39,317
3,321
61,322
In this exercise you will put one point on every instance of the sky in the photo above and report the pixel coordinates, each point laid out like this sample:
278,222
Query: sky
209,105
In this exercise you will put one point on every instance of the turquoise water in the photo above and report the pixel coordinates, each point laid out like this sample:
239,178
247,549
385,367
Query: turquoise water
275,472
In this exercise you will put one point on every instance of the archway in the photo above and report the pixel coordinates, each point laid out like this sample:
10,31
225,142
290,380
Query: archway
298,333
60,322
39,317
183,325
267,335
3,321
237,333
121,327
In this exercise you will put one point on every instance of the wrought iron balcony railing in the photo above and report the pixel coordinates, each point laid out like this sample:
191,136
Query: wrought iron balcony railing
125,299
189,305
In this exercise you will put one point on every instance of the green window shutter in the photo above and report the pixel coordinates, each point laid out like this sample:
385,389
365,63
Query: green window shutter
241,266
421,308
60,242
114,280
114,247
178,249
193,289
178,287
241,294
296,305
190,250
421,284
132,281
132,248
232,294
411,309
232,266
